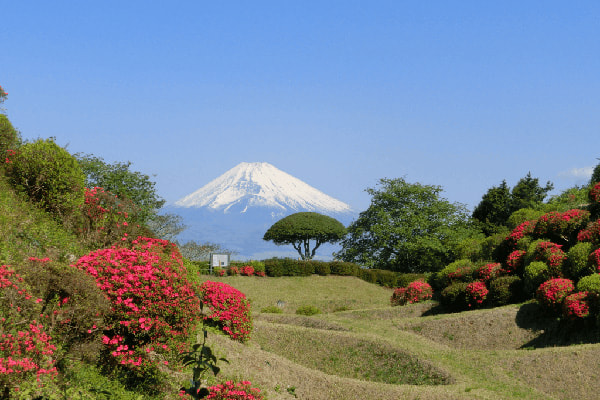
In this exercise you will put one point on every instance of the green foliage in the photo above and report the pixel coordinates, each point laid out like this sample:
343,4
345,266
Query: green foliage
506,290
568,199
288,267
380,276
535,274
522,215
439,280
308,310
494,209
576,264
322,269
407,228
589,283
344,268
271,310
49,176
126,184
9,137
403,280
471,248
454,297
528,193
300,228
595,178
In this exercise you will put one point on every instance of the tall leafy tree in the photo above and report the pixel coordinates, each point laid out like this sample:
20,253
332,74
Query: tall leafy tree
300,228
595,178
494,209
117,178
528,193
408,227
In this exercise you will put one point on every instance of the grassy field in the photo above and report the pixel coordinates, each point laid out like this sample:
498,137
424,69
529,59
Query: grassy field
361,348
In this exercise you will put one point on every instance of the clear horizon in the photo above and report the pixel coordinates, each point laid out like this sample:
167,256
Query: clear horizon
337,94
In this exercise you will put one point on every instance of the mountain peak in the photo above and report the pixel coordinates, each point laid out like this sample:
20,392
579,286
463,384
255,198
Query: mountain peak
260,184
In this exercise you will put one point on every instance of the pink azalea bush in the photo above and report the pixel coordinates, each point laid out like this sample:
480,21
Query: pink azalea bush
476,293
247,270
515,260
26,350
415,292
153,305
234,391
576,305
551,254
551,293
229,309
489,271
522,230
561,224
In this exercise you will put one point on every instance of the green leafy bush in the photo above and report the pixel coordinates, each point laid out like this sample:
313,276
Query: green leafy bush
535,274
576,264
49,175
308,310
344,268
322,269
505,290
458,271
9,137
454,297
590,284
403,280
288,267
271,310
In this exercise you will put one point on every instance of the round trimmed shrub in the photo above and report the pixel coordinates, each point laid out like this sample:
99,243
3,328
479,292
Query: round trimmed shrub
308,310
399,297
49,176
516,261
576,264
551,293
561,226
229,309
548,252
454,297
505,290
535,274
590,284
476,293
458,271
576,305
594,261
489,271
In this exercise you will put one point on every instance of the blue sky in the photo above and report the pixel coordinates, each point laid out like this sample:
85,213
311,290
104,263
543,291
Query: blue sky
339,94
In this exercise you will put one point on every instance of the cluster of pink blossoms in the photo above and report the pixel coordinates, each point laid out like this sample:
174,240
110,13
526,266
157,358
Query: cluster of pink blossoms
153,304
229,309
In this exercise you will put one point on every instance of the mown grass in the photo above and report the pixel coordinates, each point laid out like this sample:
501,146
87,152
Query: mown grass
482,354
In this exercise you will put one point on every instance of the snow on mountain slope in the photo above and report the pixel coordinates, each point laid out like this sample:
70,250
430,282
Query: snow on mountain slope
260,184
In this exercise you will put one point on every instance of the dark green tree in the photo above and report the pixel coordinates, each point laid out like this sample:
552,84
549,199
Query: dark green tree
494,209
126,184
408,228
595,178
300,228
528,193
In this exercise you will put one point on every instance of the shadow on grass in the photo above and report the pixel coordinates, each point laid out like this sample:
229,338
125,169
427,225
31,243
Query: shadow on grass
553,332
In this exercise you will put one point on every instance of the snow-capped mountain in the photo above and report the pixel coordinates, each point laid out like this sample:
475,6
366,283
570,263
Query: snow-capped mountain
236,209
260,184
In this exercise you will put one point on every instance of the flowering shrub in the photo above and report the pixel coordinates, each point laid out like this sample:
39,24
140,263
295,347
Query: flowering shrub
490,271
560,226
234,391
522,230
576,306
105,217
515,260
462,274
153,305
551,293
418,291
399,297
233,271
26,350
551,254
10,153
594,260
229,309
247,270
415,292
594,194
476,293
